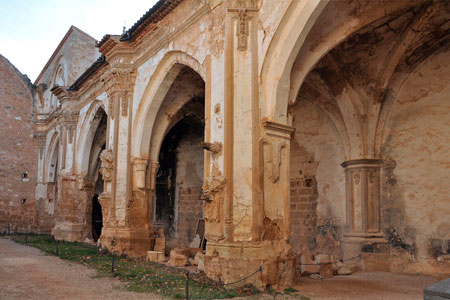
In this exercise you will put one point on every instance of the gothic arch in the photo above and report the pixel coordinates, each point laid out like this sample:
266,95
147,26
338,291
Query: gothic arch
86,136
155,92
291,56
52,157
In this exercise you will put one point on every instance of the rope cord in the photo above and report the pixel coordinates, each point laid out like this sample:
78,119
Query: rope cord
331,263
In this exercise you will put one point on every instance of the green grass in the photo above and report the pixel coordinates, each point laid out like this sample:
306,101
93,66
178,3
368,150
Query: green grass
140,276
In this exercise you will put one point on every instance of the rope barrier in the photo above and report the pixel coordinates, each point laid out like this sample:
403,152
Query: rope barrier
331,263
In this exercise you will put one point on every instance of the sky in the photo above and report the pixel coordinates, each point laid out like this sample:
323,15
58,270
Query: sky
30,30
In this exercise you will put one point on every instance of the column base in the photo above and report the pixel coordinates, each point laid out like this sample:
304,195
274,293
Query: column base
230,262
124,241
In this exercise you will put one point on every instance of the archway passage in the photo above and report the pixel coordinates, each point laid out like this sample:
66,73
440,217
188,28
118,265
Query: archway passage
354,157
176,140
180,177
98,145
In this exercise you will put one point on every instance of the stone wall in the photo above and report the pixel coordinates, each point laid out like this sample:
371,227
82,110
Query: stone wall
317,183
415,198
17,151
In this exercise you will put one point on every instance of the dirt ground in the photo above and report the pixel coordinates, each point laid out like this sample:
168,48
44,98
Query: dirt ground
26,273
367,286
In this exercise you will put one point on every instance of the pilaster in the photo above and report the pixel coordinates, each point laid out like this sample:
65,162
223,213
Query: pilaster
362,177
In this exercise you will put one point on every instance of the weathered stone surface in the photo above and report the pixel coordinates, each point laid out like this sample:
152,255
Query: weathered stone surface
178,260
344,271
156,256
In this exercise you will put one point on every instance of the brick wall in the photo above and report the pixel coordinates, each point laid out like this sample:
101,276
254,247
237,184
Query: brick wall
303,214
190,210
17,151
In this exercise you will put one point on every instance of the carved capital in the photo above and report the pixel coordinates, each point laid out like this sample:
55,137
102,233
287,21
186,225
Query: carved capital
140,168
242,8
106,167
68,120
41,138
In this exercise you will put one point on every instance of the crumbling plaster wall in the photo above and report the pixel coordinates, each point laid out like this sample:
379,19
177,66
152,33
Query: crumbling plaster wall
415,199
317,182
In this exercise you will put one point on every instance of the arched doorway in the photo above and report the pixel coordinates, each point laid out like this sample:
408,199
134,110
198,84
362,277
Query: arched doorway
176,146
98,135
345,196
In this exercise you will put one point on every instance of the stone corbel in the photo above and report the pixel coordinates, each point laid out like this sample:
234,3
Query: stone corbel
275,140
40,89
105,201
212,186
215,148
140,168
106,167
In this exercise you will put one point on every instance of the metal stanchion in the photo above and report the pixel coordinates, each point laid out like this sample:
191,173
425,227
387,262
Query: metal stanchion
26,238
57,250
112,264
187,285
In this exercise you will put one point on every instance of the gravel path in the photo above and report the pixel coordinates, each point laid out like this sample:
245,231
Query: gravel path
26,273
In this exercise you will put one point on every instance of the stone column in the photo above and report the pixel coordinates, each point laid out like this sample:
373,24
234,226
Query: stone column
126,231
252,211
362,226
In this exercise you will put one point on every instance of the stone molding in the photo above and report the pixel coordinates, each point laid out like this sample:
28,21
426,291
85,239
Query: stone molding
106,167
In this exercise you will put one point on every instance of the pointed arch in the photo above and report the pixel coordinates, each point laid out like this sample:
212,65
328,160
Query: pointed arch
154,94
86,137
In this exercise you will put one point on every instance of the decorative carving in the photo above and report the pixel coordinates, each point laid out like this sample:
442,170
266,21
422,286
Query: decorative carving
124,104
111,106
215,148
40,89
106,166
105,199
242,9
242,29
40,143
212,186
273,158
68,120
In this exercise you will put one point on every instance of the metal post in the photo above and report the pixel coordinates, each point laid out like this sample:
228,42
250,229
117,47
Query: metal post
187,285
112,264
57,250
26,238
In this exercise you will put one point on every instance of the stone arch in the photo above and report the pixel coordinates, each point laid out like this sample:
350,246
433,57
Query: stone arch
289,59
154,94
87,132
52,158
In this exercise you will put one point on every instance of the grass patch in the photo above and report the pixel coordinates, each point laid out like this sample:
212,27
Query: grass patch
139,275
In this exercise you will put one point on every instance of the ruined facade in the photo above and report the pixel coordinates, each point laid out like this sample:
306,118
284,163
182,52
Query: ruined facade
292,128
